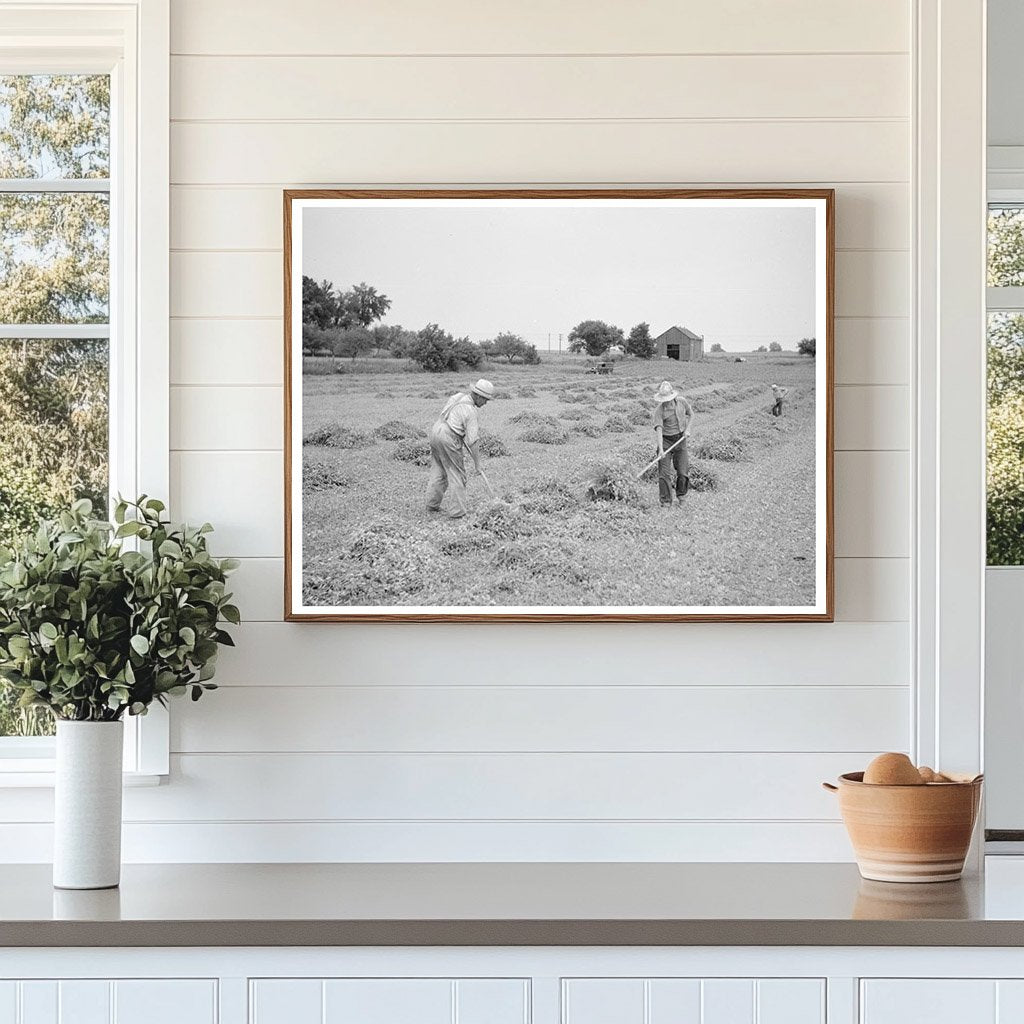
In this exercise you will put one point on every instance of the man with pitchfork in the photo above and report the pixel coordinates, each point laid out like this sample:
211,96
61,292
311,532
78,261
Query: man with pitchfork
456,428
673,415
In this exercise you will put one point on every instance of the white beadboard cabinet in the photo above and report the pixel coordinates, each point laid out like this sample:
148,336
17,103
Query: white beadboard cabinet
513,985
105,1001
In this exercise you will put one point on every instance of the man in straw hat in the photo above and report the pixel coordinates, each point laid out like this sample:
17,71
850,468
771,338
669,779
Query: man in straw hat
456,428
672,418
778,394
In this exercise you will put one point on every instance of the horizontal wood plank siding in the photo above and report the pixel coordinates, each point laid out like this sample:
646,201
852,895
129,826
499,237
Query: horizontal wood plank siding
645,742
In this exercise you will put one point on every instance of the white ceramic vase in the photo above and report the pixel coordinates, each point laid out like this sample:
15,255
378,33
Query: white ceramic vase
87,806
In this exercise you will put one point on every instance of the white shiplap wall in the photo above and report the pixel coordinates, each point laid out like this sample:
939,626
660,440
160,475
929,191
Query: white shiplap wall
688,741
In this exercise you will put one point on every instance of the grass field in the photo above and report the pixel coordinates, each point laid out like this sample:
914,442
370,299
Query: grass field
746,537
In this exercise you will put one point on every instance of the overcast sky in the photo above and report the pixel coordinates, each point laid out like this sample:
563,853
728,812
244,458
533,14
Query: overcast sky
742,277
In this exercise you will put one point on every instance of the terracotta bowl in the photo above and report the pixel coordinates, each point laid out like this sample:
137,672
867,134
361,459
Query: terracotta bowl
909,833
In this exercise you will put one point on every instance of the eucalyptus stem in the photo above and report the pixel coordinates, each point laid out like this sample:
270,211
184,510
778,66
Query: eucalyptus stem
91,629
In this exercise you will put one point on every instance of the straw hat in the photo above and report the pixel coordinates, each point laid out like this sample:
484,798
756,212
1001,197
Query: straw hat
665,392
483,388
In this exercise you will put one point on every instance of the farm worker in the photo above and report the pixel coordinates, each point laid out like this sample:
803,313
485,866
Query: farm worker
456,427
672,418
778,394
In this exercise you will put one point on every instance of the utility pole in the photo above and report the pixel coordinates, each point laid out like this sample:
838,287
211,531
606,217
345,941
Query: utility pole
559,344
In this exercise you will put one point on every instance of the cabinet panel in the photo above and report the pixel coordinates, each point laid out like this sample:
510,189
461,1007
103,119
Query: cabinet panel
38,1002
929,1001
281,1001
388,1001
84,1002
603,1001
790,1001
728,1001
674,1000
492,1001
165,1002
8,1002
694,1001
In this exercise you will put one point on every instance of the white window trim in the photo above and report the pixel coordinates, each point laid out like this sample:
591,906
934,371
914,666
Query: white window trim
949,451
131,41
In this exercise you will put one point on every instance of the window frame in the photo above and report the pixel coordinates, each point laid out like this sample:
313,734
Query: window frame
130,41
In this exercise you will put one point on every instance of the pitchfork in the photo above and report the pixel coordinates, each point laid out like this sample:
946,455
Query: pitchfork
655,460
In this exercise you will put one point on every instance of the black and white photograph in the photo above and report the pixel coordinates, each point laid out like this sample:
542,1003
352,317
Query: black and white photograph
570,406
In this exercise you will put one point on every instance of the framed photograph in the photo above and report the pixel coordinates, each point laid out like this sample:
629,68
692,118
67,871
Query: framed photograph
559,405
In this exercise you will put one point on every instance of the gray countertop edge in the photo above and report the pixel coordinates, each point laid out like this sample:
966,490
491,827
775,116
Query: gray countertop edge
252,933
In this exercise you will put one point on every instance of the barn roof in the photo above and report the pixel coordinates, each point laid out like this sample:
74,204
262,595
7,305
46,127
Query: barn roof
682,330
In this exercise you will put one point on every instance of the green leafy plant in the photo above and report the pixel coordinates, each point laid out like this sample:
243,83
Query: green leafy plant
91,630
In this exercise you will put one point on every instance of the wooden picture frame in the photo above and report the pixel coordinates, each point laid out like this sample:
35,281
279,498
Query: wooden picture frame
357,207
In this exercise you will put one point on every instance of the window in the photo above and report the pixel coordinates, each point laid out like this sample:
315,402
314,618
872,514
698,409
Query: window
84,124
1005,478
54,309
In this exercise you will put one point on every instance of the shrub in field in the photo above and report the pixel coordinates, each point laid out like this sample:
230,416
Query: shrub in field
319,476
722,447
615,481
545,433
412,450
703,478
399,430
618,424
338,437
436,350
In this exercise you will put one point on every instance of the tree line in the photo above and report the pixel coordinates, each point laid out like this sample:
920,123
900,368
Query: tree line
344,323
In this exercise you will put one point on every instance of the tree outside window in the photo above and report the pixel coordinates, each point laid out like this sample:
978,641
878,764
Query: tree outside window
54,307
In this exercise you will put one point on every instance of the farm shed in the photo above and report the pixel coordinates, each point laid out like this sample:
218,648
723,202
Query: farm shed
679,343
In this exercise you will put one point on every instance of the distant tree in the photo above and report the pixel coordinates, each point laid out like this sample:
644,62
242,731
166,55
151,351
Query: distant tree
531,357
319,305
716,348
350,341
774,347
595,337
393,338
640,343
805,346
761,348
508,346
363,304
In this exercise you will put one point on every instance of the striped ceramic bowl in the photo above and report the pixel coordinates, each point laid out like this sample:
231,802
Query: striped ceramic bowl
909,833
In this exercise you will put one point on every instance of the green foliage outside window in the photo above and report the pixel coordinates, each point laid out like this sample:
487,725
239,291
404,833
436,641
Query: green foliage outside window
1005,478
54,269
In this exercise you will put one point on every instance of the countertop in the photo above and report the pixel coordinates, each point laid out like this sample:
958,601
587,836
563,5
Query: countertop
493,904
